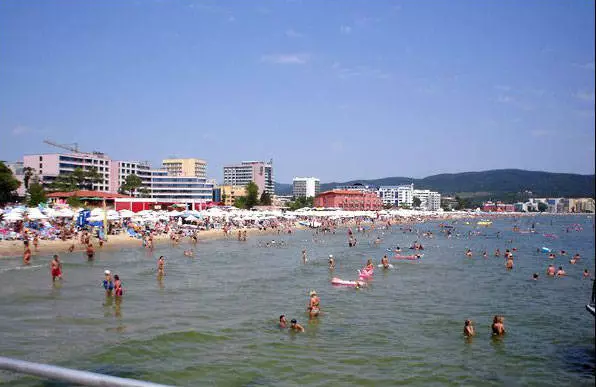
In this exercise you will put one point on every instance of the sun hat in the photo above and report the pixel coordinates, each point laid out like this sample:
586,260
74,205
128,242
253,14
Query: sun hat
313,292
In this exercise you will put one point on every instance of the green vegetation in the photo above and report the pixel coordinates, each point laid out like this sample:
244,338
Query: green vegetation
265,199
8,184
301,202
416,202
27,175
36,193
130,185
77,180
74,202
251,198
542,207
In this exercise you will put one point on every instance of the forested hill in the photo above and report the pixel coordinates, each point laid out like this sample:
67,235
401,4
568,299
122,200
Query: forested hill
500,184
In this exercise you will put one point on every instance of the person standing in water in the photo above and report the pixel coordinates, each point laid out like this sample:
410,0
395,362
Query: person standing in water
90,251
283,322
469,329
108,284
26,253
304,256
331,262
56,268
161,266
118,290
314,304
385,262
498,328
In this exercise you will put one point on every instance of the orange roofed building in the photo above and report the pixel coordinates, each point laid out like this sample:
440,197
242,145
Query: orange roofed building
349,200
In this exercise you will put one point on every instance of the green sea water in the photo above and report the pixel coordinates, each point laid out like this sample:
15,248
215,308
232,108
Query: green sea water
213,318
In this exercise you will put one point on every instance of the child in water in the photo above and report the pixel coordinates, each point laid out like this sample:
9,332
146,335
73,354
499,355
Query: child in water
108,284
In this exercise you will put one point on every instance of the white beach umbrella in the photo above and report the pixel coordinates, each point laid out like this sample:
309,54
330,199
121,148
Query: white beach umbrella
191,218
13,216
126,213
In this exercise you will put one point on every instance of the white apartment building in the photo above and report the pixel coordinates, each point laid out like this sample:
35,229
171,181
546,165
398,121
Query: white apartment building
140,168
166,187
397,195
307,187
259,172
429,200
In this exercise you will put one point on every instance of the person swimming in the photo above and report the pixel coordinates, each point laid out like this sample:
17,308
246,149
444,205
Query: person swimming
551,270
314,304
586,273
535,277
497,253
189,253
561,272
468,253
469,328
294,326
283,322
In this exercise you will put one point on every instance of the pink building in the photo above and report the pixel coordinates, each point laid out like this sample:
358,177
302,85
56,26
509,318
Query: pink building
497,207
349,200
48,166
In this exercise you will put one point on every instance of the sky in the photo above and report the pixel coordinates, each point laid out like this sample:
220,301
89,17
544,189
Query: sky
340,90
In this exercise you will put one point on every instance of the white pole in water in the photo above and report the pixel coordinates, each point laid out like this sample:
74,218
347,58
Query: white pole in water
83,378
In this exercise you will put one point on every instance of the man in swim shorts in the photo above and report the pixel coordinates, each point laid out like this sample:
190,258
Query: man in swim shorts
56,268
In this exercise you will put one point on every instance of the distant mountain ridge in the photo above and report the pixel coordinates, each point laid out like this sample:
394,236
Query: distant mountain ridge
498,184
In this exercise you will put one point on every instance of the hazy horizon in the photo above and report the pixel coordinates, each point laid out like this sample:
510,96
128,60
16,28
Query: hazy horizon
332,89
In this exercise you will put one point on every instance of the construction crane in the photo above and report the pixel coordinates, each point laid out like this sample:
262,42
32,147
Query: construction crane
74,147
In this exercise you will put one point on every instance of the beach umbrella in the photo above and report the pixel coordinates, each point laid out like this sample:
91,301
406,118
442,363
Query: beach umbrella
13,217
191,218
126,213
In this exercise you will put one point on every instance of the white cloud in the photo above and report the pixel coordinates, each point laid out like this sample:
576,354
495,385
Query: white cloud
345,30
586,66
294,59
20,130
290,33
359,71
585,96
505,99
542,133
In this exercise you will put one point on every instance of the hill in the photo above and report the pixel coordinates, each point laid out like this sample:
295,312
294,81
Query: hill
500,184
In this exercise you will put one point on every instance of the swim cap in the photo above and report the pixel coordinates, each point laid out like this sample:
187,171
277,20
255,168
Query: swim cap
107,272
330,255
313,292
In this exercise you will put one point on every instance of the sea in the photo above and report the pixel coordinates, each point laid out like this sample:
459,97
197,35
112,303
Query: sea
213,318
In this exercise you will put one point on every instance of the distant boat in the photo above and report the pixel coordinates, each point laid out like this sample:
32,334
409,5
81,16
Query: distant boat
311,224
591,307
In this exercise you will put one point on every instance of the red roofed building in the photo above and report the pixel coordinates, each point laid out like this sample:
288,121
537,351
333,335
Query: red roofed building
349,200
86,196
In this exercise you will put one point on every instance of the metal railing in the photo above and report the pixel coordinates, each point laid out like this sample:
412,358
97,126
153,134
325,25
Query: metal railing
83,378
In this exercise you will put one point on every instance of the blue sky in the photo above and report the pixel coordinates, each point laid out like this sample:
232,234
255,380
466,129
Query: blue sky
341,89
